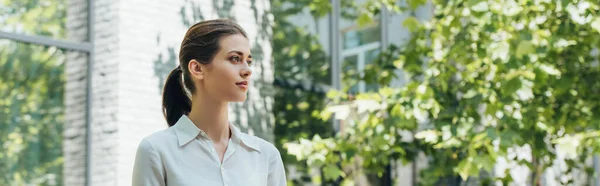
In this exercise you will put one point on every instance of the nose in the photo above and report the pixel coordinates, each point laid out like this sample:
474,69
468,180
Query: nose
246,72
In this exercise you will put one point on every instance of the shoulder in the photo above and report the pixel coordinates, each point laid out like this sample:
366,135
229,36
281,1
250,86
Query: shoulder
157,140
263,145
272,160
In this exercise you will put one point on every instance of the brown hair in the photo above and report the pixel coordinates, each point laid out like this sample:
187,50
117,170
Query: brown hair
201,42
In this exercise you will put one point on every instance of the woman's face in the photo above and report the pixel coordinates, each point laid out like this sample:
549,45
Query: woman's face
227,77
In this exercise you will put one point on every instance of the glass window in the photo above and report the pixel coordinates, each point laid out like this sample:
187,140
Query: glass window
361,48
24,17
361,43
33,102
358,37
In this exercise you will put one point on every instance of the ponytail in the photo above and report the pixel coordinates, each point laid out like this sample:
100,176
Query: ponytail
175,101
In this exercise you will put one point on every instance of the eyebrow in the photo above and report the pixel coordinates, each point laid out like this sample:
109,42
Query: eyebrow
240,53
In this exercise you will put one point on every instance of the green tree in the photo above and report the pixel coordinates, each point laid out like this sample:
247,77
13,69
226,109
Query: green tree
300,58
32,94
485,76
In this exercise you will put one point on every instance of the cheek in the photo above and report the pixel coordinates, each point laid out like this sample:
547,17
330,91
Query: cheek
226,72
224,75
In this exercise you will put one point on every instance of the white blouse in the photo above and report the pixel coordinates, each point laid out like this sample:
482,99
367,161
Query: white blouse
184,155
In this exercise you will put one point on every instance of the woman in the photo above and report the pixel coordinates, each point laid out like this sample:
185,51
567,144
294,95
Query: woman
201,147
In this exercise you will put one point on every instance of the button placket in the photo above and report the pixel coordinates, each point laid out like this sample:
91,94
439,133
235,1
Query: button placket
223,175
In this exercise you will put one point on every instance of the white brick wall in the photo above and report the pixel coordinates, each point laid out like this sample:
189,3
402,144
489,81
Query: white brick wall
75,97
140,24
104,94
104,107
74,133
128,70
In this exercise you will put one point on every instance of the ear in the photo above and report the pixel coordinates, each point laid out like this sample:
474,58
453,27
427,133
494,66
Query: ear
196,69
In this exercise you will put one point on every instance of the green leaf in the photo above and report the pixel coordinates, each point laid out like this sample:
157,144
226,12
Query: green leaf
478,5
399,63
491,132
325,115
470,94
516,73
485,162
500,51
525,48
387,92
416,3
332,172
295,149
511,86
429,136
350,153
464,168
365,19
549,69
411,23
479,137
511,8
397,110
294,50
492,152
302,106
595,24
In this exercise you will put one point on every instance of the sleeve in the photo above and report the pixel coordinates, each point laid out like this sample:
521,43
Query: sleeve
276,170
147,168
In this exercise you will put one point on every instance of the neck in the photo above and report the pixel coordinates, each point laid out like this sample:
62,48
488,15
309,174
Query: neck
211,117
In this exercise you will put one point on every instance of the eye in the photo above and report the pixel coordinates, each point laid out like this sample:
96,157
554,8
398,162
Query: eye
249,62
235,59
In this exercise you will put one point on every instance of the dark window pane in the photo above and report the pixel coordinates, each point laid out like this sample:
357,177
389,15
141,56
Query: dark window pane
356,38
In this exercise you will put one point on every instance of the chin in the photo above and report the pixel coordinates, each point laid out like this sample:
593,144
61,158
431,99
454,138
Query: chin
239,99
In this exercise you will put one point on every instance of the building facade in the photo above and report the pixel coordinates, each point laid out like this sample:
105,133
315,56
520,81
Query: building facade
81,80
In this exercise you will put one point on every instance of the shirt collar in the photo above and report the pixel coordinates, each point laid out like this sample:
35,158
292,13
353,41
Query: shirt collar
245,139
186,131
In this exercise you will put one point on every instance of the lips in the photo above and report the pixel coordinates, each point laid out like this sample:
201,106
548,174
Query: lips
242,84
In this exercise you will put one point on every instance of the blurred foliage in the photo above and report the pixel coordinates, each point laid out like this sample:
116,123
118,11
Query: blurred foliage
299,58
297,46
24,16
32,94
31,124
297,116
485,77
